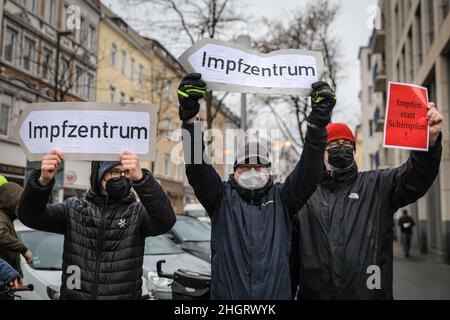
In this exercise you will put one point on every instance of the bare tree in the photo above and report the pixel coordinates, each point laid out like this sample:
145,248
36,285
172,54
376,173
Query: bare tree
308,29
193,20
68,74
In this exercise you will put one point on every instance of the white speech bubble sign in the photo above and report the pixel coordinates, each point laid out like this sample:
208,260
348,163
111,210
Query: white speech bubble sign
226,66
87,131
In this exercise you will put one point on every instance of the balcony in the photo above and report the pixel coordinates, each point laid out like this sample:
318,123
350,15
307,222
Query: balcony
379,79
378,40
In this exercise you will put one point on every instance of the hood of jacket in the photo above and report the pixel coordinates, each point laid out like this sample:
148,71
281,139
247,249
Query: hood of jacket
95,194
9,198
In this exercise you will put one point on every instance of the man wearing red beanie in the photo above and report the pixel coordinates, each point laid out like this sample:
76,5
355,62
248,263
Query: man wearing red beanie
342,245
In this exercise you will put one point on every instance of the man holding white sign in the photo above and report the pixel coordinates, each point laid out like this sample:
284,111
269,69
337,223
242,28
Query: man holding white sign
250,213
104,234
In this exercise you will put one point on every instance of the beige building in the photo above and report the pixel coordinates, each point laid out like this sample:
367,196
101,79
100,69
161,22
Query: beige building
413,46
135,69
132,69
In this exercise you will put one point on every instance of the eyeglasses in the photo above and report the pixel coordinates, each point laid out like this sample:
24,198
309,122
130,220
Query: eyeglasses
338,143
116,173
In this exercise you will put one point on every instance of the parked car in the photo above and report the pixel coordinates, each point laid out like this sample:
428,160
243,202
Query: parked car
44,273
193,236
162,248
197,211
45,270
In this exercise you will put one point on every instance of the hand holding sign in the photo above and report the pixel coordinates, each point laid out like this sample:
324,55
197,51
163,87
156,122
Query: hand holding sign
49,166
131,162
435,121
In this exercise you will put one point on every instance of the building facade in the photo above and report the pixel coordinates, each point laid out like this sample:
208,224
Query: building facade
33,33
412,45
135,69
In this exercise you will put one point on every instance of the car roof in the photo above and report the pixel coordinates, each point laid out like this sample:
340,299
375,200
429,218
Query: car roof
193,206
185,217
20,227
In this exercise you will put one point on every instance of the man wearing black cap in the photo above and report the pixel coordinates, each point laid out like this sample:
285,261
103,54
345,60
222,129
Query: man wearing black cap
104,234
250,213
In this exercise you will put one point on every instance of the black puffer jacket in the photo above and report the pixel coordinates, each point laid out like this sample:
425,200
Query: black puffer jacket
345,230
104,239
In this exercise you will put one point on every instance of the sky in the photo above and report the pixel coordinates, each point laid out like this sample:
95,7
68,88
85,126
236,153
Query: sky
351,28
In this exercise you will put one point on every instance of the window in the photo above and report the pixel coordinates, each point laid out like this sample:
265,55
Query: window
418,38
90,86
4,118
166,126
78,80
112,94
122,97
10,44
445,8
124,61
50,11
81,32
430,22
113,54
46,63
166,164
64,71
132,69
64,20
141,74
28,55
158,84
32,6
169,91
91,38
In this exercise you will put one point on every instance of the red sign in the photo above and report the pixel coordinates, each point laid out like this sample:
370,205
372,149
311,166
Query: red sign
406,125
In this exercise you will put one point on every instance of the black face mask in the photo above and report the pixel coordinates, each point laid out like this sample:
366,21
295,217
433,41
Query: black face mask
341,157
118,189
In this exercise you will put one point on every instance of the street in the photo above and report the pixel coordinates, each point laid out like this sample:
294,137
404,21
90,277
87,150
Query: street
420,277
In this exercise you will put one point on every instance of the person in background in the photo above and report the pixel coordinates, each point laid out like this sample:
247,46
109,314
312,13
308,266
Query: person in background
10,246
406,224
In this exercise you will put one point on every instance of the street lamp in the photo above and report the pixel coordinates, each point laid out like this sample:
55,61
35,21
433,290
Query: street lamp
59,34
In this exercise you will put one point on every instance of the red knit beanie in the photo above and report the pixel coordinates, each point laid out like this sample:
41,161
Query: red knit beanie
338,131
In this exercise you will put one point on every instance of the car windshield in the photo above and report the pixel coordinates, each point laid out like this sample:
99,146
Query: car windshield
192,230
196,213
160,245
47,249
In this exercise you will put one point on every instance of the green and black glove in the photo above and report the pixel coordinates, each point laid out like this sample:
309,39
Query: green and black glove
191,89
323,100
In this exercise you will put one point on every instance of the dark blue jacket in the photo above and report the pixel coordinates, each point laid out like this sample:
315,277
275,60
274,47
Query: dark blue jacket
7,274
251,231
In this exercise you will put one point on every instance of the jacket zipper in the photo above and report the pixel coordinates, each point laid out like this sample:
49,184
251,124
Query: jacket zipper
99,249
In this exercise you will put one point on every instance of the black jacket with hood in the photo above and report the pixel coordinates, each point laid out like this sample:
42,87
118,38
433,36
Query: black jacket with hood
105,239
251,230
344,233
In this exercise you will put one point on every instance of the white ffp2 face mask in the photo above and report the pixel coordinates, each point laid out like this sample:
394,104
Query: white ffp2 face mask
253,179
